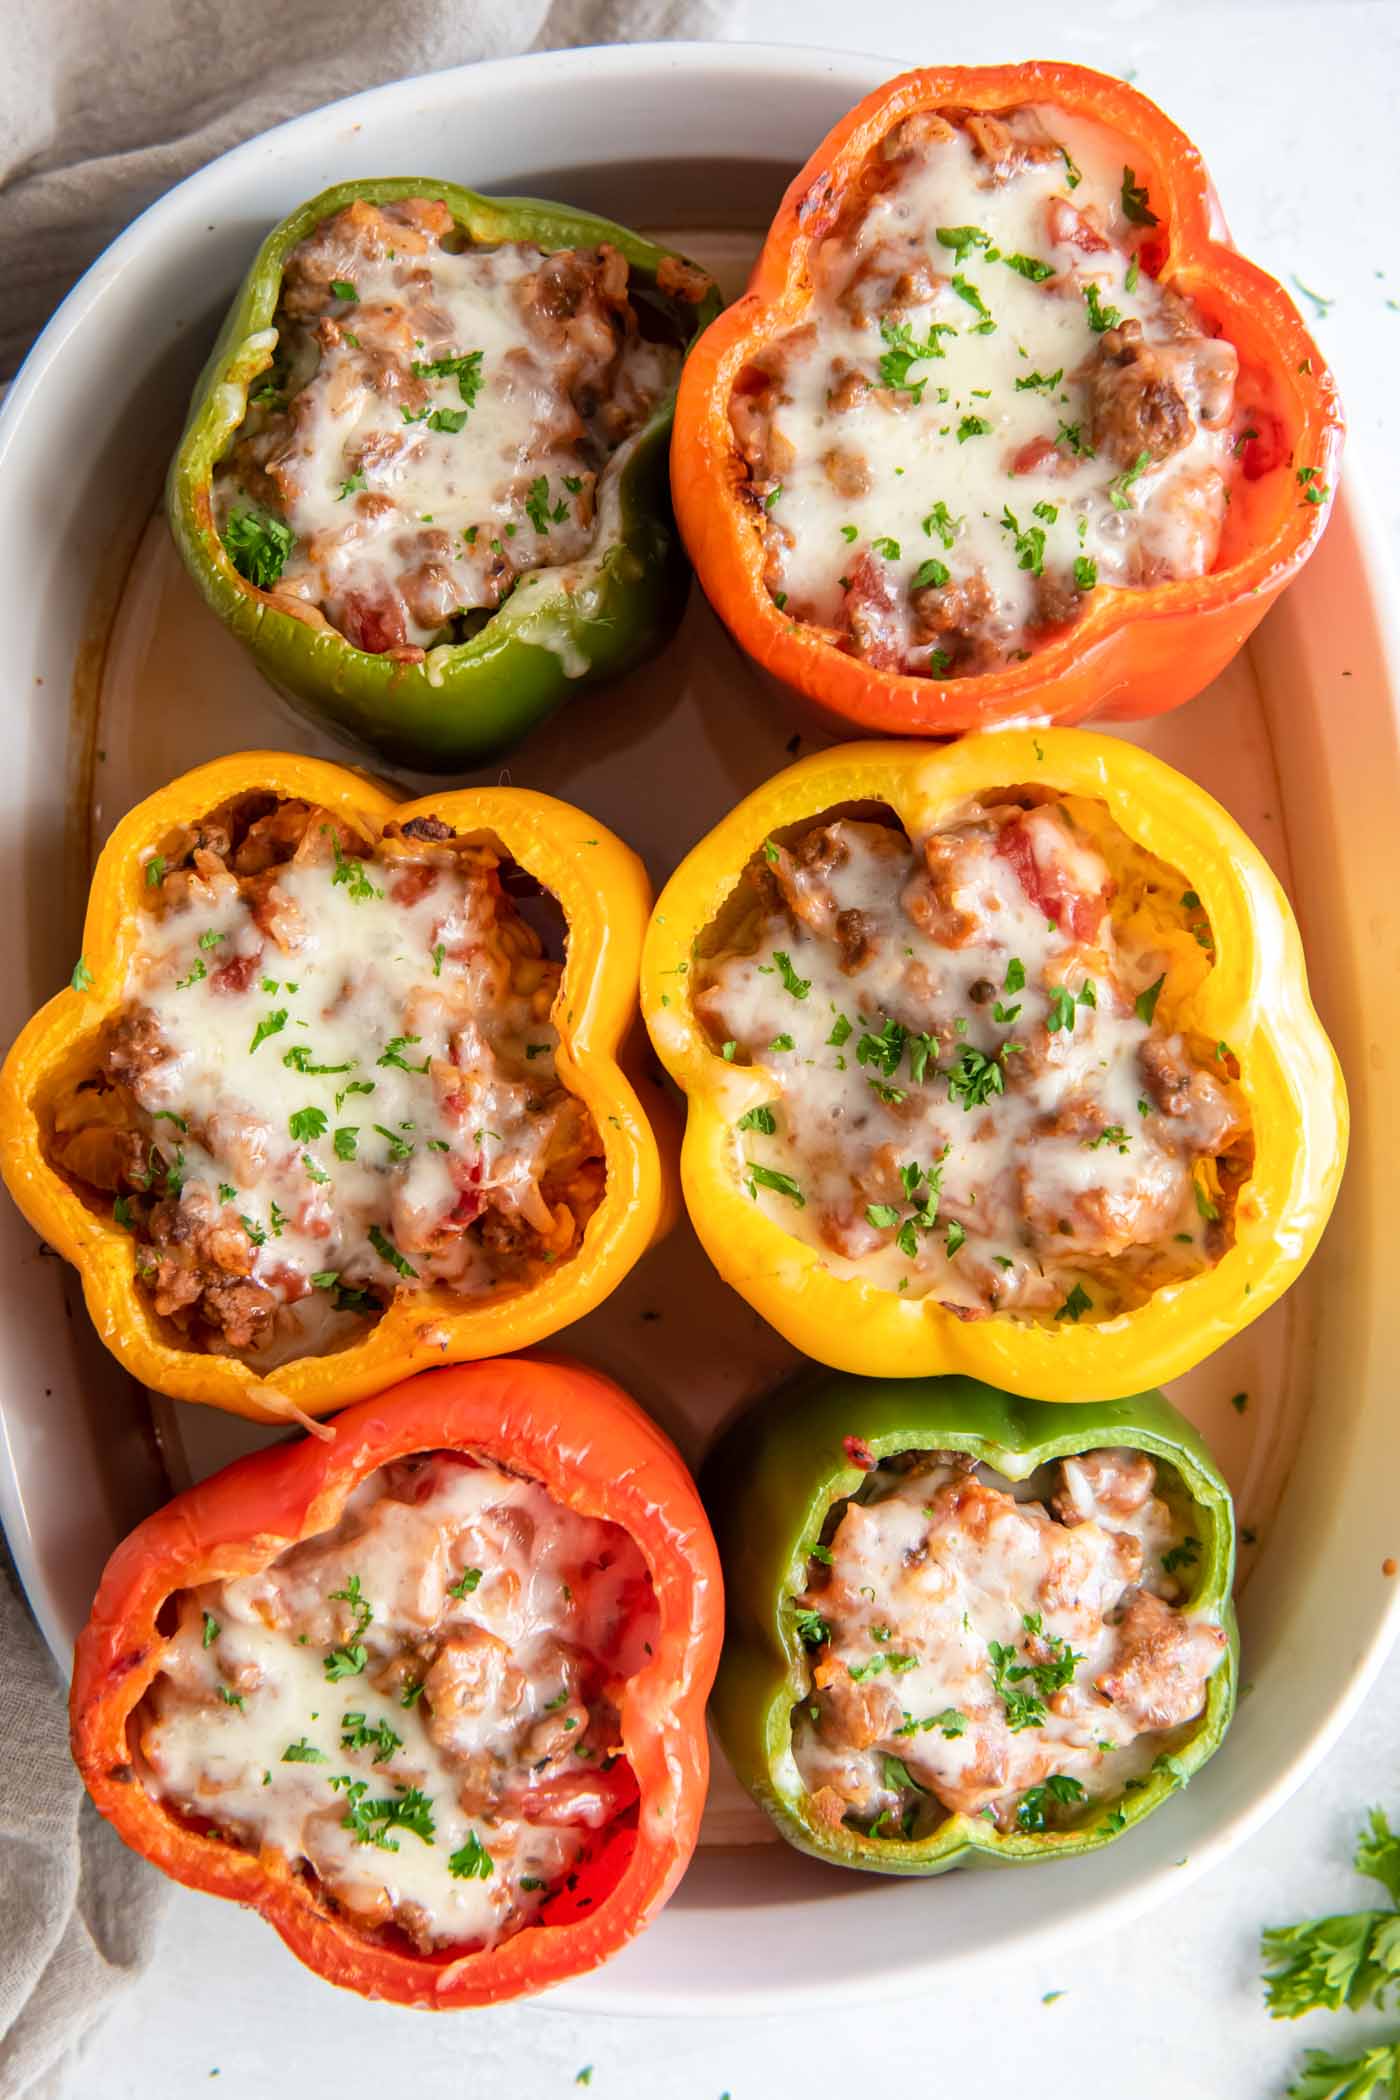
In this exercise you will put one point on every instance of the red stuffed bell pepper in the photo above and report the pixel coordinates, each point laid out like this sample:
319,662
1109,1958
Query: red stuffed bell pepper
427,1691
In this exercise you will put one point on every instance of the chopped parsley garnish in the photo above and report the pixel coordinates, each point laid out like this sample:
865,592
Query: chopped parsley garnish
1121,483
1072,435
1015,978
81,978
1029,545
887,548
467,1581
1135,205
348,1661
758,1119
954,1237
1101,317
258,546
471,1861
1073,178
356,1733
270,1024
961,239
1145,1004
371,1820
211,1631
1086,572
346,1141
253,1229
1112,1134
197,975
341,288
975,1078
972,426
304,1753
904,351
351,486
1076,1305
882,1216
941,522
399,1147
970,295
931,572
782,1042
465,370
1183,1556
812,1629
387,1251
393,1054
1029,266
351,873
155,871
797,986
449,420
1208,1210
411,1693
770,1178
1058,1787
1040,382
231,1698
300,1059
305,1124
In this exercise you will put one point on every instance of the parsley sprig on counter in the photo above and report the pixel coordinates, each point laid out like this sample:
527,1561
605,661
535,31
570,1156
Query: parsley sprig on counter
1352,1959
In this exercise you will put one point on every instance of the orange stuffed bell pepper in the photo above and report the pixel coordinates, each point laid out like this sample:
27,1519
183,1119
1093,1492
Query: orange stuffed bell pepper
1003,428
319,1106
999,1059
428,1693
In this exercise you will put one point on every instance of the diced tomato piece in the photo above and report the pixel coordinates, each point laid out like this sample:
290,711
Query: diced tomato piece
1048,887
413,883
1068,227
372,624
593,1797
237,973
1033,455
1264,445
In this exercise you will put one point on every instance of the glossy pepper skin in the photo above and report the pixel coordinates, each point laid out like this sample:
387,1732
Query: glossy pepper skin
604,895
557,632
594,1451
1132,652
768,1485
1254,999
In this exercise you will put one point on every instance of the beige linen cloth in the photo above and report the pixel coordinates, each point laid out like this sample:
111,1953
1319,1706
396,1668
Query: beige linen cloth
104,104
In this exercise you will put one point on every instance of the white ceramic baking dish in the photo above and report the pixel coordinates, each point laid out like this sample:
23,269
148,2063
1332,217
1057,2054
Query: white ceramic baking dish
118,678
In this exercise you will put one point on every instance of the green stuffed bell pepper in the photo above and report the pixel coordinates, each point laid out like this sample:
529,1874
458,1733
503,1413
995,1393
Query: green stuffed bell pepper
927,1665
424,477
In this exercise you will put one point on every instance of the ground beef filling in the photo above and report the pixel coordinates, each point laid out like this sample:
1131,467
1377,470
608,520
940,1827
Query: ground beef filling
419,1707
333,1079
975,1085
437,423
993,406
975,1653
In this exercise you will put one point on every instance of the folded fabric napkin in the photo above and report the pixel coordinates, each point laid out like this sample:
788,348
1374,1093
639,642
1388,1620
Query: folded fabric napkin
104,104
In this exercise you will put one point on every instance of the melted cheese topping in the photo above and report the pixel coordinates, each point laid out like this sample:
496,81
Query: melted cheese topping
954,448
418,1704
973,1652
333,1078
441,422
972,1093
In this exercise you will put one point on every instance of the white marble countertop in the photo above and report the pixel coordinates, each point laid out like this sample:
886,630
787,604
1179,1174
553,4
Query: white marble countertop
1291,102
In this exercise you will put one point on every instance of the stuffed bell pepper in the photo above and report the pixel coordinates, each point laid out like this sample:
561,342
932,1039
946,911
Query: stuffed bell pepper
426,1691
999,1059
424,473
1003,427
962,1626
334,1092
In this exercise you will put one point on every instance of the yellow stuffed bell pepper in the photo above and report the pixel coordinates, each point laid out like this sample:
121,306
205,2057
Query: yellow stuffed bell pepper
999,1059
317,1109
